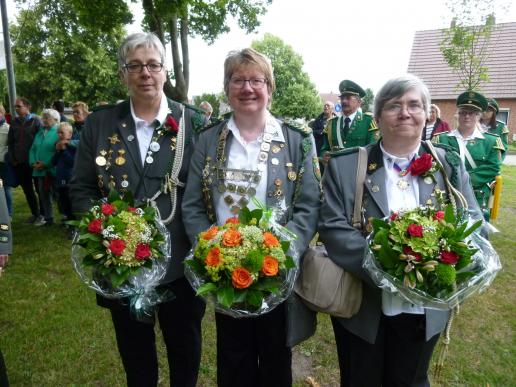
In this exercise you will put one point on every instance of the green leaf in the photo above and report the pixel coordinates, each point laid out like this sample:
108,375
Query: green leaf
254,298
289,262
240,296
253,260
226,296
206,288
285,245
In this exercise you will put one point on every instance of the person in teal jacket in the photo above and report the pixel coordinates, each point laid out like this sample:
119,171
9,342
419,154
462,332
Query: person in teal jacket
40,158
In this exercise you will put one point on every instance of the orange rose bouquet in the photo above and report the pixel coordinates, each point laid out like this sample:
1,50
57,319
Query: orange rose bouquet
244,264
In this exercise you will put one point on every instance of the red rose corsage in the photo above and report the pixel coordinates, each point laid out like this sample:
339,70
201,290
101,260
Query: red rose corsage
171,124
421,165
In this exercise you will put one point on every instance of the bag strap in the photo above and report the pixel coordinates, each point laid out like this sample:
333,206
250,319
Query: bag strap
359,190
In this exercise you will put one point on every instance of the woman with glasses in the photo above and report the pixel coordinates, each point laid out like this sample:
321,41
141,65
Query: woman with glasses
253,155
389,342
132,147
480,151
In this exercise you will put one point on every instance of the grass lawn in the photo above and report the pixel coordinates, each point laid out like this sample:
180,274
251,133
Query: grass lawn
53,334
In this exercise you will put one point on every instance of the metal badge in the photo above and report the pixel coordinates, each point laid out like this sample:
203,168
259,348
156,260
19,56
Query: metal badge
375,188
428,180
130,138
275,149
120,160
251,191
100,161
263,156
278,182
222,188
372,166
231,187
402,184
267,137
429,202
154,146
265,146
4,227
113,139
149,160
292,175
228,199
124,184
274,161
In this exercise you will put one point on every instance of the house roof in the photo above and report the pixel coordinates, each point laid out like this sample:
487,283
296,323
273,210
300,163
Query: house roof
427,62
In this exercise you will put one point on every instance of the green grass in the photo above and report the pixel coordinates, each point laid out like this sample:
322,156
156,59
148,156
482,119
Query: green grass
53,334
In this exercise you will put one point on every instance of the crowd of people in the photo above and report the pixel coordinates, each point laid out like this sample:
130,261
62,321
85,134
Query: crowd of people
389,341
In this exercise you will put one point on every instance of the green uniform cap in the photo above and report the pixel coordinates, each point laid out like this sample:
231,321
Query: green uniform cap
472,99
350,87
492,103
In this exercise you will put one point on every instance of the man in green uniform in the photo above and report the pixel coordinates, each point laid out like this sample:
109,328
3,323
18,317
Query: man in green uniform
481,152
353,128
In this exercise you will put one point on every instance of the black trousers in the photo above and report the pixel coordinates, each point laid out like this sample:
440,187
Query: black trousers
252,352
180,323
399,357
4,381
24,176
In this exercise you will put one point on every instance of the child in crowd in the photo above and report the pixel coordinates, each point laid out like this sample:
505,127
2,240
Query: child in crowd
63,161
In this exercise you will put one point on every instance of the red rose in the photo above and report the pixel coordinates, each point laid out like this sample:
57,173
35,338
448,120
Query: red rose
393,216
132,209
142,251
117,247
171,124
108,209
408,251
95,226
421,165
415,230
439,215
449,257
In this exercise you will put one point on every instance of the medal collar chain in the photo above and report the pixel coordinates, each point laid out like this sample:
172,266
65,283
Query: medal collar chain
252,177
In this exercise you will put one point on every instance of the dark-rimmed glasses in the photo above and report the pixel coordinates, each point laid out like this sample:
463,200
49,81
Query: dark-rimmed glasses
138,68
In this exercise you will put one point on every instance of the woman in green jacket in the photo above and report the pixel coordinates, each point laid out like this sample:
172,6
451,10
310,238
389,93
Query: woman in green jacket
40,158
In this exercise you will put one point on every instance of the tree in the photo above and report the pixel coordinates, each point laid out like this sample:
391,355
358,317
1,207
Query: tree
295,95
465,44
367,101
174,21
212,99
60,52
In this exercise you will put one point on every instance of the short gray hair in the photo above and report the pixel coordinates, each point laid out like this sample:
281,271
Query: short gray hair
52,114
396,87
140,39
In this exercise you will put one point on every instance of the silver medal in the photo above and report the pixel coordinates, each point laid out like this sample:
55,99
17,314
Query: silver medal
130,138
154,146
149,160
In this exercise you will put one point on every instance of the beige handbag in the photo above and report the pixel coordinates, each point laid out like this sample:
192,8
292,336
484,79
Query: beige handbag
324,286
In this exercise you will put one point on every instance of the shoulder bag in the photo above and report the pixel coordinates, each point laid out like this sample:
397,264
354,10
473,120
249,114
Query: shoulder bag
324,286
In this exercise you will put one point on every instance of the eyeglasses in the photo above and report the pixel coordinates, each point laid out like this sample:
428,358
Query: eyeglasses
255,83
18,106
464,113
412,108
138,68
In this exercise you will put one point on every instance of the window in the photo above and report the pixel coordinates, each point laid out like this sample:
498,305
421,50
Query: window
503,115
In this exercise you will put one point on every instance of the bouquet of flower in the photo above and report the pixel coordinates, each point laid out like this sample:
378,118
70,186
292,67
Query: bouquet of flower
244,264
431,257
122,250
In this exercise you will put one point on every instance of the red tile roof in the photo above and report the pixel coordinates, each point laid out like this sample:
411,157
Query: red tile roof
427,62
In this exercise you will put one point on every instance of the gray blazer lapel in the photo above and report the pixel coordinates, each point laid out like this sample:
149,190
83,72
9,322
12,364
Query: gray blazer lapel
375,185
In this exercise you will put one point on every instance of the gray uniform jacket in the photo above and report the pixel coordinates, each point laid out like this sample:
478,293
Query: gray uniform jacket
345,244
111,131
6,237
303,204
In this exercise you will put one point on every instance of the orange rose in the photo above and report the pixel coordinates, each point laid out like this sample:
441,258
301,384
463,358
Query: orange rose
241,278
270,266
213,257
233,220
231,238
210,233
269,240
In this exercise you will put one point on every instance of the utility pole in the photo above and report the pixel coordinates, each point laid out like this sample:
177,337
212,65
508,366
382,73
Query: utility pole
8,60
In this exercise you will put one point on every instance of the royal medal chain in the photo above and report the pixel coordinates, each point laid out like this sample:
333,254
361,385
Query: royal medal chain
248,179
